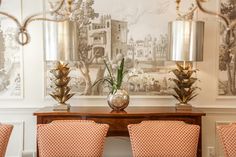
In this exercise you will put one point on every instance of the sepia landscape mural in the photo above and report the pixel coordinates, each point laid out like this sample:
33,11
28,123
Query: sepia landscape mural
10,57
227,56
132,29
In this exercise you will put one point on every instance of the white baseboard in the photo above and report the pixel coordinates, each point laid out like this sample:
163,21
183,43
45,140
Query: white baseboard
28,153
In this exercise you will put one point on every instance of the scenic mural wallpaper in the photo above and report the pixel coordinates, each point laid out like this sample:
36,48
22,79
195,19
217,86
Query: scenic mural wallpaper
114,29
11,81
227,55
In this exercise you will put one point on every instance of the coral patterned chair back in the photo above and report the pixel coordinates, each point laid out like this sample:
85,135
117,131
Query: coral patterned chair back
71,139
227,135
5,133
164,139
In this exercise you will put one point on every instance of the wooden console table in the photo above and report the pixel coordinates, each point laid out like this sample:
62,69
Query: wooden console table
118,121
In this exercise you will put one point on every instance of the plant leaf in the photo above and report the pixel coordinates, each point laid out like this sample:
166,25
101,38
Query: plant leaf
120,74
97,82
109,71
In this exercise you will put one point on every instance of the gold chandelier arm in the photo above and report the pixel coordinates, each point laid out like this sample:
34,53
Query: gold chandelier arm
46,19
33,17
224,18
23,37
11,17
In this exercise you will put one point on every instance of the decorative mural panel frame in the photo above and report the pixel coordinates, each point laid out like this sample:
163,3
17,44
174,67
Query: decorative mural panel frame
227,63
133,29
11,56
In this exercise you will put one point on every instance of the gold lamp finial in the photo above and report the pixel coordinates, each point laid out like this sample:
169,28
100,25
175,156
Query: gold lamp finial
69,5
177,5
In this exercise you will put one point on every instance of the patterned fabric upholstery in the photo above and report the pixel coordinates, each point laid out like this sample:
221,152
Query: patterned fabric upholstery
164,139
227,134
5,133
71,139
73,121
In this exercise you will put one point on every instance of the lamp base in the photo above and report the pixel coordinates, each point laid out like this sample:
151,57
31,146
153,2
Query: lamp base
61,107
61,90
183,107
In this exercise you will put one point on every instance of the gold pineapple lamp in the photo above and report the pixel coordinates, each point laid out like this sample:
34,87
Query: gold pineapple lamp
185,39
61,46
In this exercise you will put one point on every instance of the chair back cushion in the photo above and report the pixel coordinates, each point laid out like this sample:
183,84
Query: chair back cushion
72,139
227,135
5,133
164,138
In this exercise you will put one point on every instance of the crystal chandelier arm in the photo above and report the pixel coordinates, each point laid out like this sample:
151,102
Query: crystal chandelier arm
224,18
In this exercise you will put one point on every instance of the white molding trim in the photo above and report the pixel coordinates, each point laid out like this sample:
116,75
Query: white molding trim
30,110
28,153
221,111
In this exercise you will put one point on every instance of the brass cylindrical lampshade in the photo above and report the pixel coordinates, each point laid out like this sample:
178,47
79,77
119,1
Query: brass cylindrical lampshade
61,41
185,39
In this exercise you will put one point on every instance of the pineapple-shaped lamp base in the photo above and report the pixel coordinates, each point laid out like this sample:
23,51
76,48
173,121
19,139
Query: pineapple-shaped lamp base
184,90
61,90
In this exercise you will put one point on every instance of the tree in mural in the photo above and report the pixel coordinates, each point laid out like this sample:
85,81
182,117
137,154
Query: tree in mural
83,17
227,60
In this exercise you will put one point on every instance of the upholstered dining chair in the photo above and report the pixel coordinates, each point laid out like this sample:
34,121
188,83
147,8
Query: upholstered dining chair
5,133
164,138
227,135
71,139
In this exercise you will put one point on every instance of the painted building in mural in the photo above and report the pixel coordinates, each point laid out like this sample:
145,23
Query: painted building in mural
108,36
150,50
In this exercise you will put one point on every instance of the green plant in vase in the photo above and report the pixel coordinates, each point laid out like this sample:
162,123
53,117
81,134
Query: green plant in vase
118,98
184,89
